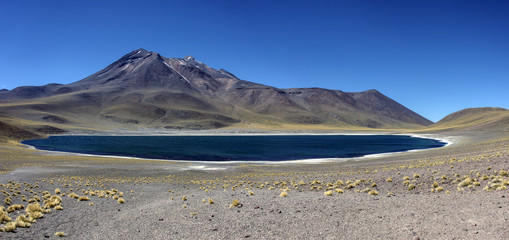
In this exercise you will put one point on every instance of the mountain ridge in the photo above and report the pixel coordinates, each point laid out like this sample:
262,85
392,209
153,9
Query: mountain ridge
143,89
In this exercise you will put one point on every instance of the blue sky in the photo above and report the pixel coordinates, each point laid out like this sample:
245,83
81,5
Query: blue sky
434,57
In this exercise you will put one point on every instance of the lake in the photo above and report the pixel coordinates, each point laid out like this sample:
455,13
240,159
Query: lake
235,148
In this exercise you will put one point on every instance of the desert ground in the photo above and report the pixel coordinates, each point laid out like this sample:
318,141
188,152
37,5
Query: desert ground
454,192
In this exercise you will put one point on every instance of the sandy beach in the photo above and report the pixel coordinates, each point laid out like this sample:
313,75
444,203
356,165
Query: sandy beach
455,192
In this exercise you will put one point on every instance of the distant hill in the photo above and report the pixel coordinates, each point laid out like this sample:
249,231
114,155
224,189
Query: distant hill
146,90
488,118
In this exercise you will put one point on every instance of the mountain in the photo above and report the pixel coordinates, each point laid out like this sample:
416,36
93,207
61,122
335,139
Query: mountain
146,90
471,119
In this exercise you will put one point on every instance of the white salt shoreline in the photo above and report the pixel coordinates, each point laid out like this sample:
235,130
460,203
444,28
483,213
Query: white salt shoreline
225,165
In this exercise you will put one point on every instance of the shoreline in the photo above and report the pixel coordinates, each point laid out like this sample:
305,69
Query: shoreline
197,164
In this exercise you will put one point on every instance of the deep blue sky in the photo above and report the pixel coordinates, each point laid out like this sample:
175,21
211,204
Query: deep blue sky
434,57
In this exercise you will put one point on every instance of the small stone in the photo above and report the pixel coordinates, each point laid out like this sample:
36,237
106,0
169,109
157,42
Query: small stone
160,219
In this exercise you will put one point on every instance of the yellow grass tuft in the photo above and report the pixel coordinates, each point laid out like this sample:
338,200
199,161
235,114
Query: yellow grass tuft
60,234
411,187
211,201
34,207
373,192
83,198
389,179
121,200
283,194
52,201
14,207
23,222
73,195
339,190
465,182
184,198
328,193
235,203
9,227
4,216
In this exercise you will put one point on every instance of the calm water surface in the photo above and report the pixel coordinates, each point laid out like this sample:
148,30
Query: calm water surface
235,148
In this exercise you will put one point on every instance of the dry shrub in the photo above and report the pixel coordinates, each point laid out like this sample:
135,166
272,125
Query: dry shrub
83,198
373,192
53,201
9,227
235,203
4,216
23,222
14,207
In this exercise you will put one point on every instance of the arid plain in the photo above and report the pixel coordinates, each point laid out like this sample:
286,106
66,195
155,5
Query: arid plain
455,192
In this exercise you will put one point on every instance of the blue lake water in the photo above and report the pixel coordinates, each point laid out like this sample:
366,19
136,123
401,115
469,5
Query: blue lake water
235,148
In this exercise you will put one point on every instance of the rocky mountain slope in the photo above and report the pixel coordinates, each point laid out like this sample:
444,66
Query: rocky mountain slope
146,90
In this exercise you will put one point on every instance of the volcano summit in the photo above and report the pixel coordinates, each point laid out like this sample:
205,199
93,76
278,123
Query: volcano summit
146,90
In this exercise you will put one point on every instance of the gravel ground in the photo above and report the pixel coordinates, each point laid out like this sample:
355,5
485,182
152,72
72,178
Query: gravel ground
457,192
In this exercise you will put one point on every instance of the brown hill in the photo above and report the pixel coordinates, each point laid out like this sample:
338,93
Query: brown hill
485,119
145,90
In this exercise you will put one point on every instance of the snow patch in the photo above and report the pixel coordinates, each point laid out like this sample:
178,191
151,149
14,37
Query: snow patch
170,66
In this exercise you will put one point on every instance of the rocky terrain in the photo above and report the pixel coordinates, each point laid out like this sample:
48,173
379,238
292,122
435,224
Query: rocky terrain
146,90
